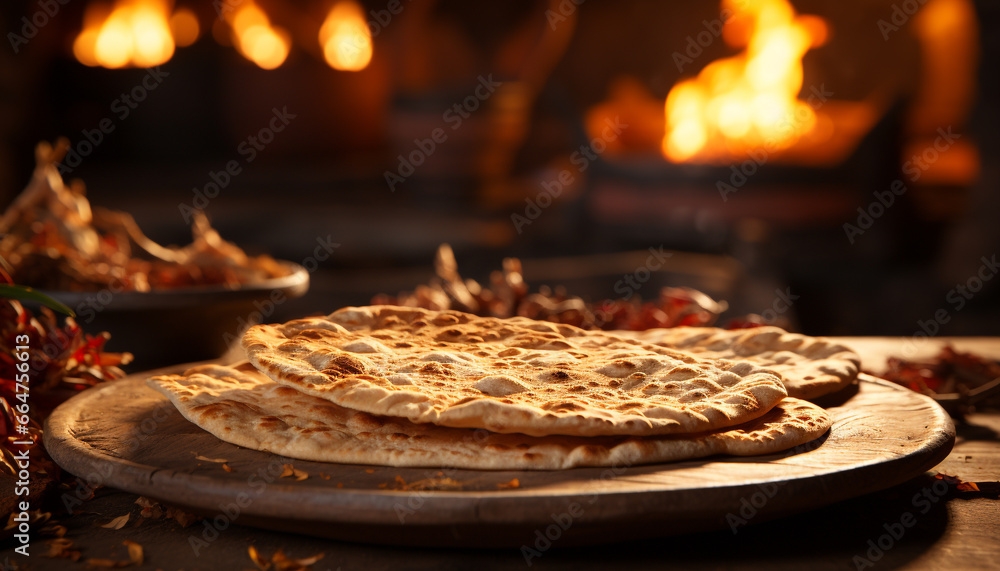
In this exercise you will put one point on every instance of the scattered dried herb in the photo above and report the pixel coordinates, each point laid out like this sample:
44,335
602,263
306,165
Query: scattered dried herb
291,472
135,553
62,359
425,484
959,484
54,240
507,295
515,483
153,510
959,380
281,562
117,523
61,548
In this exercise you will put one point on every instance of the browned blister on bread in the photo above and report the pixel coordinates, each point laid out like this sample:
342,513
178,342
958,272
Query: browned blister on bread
507,375
809,366
243,407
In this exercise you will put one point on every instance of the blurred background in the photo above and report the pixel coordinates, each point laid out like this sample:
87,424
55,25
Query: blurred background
829,162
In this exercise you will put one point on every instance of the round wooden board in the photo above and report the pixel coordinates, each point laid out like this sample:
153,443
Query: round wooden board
123,434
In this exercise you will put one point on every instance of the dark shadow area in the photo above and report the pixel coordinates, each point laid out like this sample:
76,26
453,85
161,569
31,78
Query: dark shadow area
838,398
891,529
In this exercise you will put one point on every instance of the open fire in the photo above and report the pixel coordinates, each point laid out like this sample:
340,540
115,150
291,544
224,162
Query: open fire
133,33
256,38
345,37
744,101
145,33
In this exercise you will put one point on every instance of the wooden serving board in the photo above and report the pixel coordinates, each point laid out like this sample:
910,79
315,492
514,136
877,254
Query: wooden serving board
125,435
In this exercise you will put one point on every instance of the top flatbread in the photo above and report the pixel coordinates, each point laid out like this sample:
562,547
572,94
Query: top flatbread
506,375
810,366
243,407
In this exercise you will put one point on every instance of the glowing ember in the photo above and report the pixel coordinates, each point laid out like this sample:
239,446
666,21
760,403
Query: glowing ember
346,40
748,100
132,33
256,39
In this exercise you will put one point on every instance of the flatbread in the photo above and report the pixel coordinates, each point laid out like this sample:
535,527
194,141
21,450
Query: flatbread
810,366
243,407
506,375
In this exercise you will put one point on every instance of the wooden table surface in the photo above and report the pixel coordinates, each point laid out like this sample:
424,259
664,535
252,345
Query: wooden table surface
921,524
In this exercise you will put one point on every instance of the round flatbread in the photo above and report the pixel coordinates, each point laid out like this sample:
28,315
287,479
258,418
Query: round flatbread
507,375
243,407
810,366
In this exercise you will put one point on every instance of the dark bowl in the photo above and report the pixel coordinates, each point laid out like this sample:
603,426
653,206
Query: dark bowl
181,325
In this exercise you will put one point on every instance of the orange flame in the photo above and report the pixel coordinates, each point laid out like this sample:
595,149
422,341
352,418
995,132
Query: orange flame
748,100
256,39
133,33
345,37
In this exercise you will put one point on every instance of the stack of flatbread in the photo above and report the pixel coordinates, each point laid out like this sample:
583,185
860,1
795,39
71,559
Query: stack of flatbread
411,387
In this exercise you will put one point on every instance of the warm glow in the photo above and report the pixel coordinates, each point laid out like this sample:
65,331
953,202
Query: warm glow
346,40
185,27
133,33
256,39
751,99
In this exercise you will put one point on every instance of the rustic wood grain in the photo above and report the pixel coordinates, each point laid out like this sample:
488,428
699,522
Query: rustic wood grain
131,438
